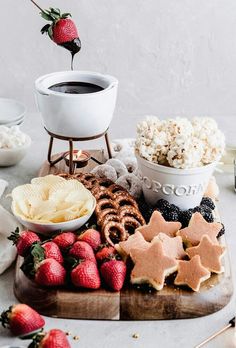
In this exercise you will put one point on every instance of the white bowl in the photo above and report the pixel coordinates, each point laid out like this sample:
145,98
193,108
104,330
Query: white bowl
48,229
76,115
11,111
14,123
10,157
182,187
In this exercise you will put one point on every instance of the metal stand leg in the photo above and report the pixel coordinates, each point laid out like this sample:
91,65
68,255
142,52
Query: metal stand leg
71,148
71,164
108,145
50,161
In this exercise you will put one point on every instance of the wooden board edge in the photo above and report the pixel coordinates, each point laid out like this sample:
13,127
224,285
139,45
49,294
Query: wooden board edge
61,303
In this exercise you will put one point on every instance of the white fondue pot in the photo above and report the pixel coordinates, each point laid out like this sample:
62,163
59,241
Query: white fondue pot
76,115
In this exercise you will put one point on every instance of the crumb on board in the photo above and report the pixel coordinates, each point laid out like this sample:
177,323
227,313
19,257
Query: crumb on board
76,338
135,335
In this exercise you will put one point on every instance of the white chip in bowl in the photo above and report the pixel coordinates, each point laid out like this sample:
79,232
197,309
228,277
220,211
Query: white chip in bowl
52,199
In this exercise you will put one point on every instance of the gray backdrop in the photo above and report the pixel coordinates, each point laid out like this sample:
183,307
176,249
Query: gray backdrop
171,57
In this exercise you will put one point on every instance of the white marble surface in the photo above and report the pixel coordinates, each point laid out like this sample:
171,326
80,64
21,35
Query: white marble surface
106,334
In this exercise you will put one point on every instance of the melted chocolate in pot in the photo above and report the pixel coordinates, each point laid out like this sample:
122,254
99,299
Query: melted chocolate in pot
75,87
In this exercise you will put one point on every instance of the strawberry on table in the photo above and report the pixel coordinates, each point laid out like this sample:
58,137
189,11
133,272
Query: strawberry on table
65,240
86,275
23,240
104,252
50,273
92,237
82,250
54,338
52,251
113,273
22,320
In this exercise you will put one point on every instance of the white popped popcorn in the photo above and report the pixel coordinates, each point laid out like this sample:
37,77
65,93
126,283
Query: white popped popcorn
185,154
180,142
206,129
11,137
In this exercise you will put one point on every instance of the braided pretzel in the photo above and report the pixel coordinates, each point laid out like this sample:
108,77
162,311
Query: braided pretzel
132,212
116,210
114,232
104,204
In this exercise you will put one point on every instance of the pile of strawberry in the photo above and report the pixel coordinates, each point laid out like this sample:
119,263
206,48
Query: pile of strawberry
81,261
25,322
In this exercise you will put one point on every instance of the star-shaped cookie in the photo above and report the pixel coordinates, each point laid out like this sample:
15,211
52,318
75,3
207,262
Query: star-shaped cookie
152,266
158,224
192,273
210,254
135,241
198,227
173,247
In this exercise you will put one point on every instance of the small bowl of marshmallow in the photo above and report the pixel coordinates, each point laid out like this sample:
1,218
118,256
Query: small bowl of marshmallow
14,145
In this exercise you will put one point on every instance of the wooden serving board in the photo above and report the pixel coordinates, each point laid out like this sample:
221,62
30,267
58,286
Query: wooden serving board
130,303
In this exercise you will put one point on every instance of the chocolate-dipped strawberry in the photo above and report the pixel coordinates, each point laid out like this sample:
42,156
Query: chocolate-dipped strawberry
62,30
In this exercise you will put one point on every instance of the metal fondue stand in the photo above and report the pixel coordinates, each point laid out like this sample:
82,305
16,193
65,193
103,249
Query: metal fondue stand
72,164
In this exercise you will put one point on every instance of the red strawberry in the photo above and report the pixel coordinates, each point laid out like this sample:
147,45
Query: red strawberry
23,240
113,273
62,29
86,275
22,320
50,273
52,251
54,338
65,240
104,252
82,250
92,237
47,272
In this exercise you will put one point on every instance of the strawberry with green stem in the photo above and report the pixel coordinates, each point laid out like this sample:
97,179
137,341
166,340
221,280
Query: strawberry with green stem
22,320
45,271
105,251
113,273
85,274
62,30
92,237
54,338
23,240
64,240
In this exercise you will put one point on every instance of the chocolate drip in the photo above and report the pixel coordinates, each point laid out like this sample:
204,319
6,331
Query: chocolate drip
73,46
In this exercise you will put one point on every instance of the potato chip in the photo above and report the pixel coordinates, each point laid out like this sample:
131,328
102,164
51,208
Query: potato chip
52,199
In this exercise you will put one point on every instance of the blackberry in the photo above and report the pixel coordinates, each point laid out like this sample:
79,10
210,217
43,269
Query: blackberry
145,209
175,208
185,217
205,211
197,209
170,215
222,231
162,205
208,202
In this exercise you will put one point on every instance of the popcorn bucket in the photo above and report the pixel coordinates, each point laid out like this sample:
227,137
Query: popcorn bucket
182,187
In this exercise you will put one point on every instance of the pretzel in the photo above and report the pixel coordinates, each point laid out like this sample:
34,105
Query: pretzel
131,212
124,198
114,232
104,204
103,213
116,210
130,224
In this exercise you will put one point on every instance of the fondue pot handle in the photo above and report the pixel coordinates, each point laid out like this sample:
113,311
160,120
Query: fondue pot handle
42,92
113,81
